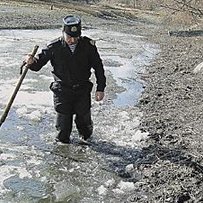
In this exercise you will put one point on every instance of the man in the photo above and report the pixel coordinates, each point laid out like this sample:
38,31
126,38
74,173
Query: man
72,57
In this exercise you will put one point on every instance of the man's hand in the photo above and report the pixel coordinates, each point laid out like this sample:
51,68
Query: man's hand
29,59
99,95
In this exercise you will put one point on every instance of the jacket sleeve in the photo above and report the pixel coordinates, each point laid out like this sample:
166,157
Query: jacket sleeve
41,59
97,65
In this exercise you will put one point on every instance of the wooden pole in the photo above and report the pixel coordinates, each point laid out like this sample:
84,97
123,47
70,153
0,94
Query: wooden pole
8,106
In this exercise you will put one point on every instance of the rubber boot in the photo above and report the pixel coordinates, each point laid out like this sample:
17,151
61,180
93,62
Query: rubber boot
64,127
84,125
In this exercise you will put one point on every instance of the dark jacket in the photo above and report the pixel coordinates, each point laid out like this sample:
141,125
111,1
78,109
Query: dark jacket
73,68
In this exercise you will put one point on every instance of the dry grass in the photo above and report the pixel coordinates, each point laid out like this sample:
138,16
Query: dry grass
166,11
174,13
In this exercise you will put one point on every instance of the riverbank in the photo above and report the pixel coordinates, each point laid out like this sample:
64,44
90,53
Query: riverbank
170,165
172,162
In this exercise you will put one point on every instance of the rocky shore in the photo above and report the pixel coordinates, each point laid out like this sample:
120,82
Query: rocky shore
172,162
170,166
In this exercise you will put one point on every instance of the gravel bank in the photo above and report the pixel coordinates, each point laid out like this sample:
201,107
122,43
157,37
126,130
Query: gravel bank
172,161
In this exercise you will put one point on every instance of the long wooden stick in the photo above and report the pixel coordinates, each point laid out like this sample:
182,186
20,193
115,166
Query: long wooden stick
8,106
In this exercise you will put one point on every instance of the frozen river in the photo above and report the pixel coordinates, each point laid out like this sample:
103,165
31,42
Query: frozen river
34,168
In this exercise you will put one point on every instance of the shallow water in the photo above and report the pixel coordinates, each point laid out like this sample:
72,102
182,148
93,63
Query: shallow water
33,167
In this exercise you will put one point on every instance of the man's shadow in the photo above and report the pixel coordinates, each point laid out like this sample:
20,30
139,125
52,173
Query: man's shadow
115,158
118,157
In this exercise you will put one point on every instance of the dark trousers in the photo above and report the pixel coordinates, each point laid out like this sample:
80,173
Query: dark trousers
64,124
69,101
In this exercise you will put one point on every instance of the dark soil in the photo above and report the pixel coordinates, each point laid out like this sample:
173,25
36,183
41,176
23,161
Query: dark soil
171,163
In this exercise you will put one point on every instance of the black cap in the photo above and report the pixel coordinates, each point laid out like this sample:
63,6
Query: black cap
72,25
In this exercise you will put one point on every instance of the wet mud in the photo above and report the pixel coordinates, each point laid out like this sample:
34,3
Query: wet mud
172,102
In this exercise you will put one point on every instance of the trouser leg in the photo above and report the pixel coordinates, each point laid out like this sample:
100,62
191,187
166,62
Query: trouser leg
84,125
64,127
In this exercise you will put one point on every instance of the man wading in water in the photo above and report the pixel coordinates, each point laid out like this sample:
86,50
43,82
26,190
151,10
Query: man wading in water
72,56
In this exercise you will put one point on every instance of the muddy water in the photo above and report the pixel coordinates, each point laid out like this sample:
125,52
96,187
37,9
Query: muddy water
33,167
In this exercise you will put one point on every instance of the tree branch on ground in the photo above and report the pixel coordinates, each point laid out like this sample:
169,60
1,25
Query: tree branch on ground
191,6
